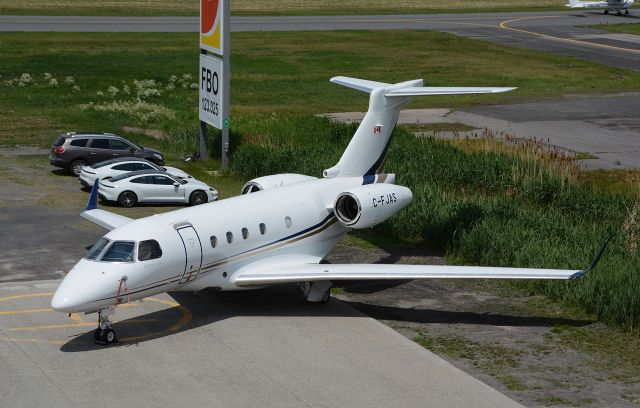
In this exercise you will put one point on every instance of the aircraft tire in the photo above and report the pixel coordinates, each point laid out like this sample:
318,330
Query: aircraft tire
197,197
104,337
626,12
606,12
128,199
325,296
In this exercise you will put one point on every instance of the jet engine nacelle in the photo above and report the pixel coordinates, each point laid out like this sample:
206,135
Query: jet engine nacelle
274,181
369,205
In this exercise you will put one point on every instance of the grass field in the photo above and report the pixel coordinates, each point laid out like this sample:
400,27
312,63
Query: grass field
619,28
478,202
271,72
264,7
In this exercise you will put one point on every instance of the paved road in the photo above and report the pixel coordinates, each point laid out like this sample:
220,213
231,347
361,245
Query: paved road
556,32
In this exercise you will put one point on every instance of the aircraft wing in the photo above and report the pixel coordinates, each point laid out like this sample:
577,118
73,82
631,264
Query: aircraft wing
103,218
334,272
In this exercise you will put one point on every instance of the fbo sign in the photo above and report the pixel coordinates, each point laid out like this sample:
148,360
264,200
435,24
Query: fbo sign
211,90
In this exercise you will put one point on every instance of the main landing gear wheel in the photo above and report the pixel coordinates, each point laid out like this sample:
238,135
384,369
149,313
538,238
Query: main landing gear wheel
606,12
315,292
104,334
619,13
626,12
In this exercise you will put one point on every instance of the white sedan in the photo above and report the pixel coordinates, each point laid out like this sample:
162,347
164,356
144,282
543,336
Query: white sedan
152,186
122,165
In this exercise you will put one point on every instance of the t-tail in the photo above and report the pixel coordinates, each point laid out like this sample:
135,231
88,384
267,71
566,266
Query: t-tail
366,152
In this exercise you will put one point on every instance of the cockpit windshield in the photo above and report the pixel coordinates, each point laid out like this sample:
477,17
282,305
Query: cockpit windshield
118,251
96,249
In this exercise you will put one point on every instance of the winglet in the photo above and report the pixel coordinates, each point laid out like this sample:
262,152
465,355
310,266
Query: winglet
92,204
595,261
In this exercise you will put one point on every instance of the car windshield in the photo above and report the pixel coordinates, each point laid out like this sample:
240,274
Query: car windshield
119,251
96,249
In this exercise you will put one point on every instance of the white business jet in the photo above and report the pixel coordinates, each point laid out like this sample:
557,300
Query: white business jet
617,6
278,231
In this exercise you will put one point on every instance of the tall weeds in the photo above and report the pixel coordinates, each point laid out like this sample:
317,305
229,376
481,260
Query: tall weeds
482,202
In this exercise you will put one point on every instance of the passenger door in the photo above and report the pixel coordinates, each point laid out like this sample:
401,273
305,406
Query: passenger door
165,190
143,187
120,148
193,253
99,151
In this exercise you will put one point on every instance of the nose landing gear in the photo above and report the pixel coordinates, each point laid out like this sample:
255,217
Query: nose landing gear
104,334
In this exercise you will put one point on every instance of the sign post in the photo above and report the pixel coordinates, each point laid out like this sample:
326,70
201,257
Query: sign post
215,72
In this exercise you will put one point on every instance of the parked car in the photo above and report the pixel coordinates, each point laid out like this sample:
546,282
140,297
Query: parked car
121,165
152,186
74,150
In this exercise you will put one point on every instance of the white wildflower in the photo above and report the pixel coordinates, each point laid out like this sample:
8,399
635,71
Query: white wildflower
186,77
53,83
47,76
25,79
146,88
141,110
194,85
113,91
170,86
126,89
75,88
173,78
69,80
99,93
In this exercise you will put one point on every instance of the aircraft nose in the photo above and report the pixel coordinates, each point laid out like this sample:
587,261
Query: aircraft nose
65,299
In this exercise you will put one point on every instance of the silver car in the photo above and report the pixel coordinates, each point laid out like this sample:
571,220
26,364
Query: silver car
152,186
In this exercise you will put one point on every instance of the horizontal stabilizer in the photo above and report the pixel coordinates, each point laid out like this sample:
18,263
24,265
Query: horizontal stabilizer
105,219
431,91
361,85
334,272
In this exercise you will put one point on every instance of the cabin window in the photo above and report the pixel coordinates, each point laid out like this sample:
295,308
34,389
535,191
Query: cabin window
149,249
96,249
245,233
119,251
229,237
287,221
263,228
214,241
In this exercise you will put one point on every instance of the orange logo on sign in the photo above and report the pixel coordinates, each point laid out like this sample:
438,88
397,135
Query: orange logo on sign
210,25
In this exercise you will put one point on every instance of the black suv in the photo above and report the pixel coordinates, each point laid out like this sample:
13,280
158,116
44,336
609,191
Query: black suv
74,150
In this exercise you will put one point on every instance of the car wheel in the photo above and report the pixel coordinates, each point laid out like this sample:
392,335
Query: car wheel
127,199
197,197
76,167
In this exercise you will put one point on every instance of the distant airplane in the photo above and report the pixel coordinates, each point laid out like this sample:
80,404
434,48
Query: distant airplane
278,231
610,5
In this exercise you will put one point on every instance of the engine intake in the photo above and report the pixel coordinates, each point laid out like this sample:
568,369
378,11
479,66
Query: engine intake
369,205
274,181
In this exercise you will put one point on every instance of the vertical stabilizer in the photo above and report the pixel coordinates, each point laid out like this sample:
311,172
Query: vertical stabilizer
368,147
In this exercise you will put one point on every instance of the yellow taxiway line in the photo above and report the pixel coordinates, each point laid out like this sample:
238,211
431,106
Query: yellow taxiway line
503,25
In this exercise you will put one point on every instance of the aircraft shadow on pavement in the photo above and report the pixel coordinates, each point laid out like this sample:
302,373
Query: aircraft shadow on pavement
209,307
379,312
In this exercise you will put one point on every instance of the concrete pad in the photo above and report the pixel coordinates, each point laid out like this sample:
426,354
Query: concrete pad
259,348
606,127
